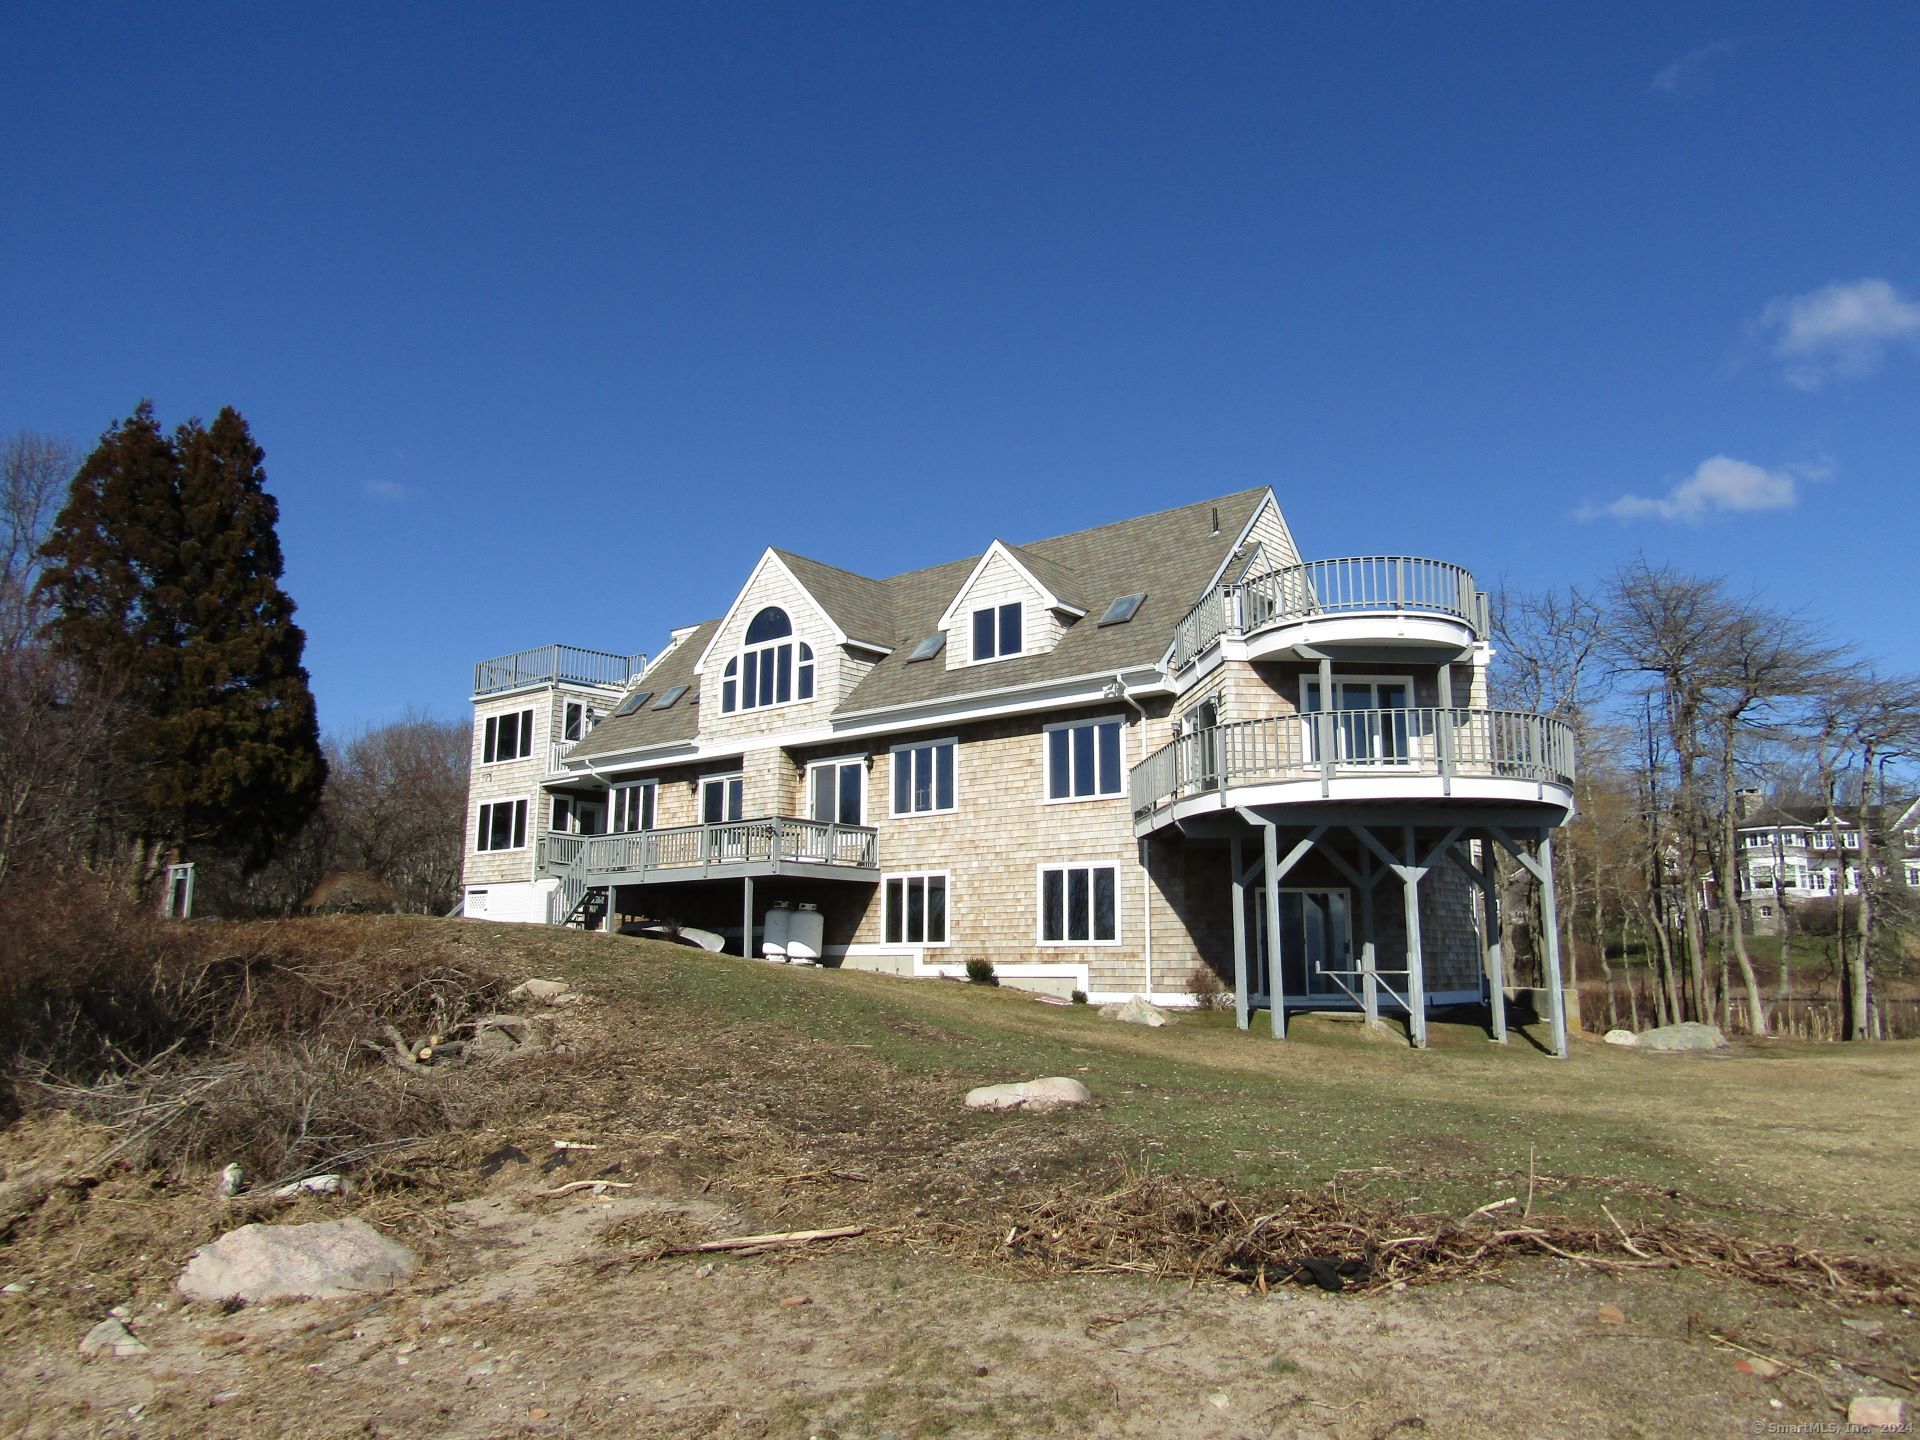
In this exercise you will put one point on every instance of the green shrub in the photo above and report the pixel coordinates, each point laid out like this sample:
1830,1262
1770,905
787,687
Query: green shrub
980,971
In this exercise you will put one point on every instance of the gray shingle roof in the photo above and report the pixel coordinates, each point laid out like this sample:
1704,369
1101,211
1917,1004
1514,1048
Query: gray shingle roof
860,606
1170,555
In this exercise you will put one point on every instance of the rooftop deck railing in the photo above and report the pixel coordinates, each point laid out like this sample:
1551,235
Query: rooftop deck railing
1423,743
550,664
1383,584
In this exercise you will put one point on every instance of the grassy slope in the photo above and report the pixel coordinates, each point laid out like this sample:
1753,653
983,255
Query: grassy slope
1807,1141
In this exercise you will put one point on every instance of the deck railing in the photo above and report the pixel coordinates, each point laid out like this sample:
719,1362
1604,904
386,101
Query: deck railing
550,664
1383,584
777,838
1425,742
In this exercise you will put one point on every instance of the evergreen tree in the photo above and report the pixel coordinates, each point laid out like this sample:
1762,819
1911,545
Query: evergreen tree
164,568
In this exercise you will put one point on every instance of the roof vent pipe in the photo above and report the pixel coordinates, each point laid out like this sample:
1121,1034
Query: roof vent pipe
1216,519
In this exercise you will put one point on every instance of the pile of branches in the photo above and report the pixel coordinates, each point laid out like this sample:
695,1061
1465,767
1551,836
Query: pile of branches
1171,1226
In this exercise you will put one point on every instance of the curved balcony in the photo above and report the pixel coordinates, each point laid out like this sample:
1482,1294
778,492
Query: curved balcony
1421,600
1503,756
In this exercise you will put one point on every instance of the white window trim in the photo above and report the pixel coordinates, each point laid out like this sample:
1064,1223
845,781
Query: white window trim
700,797
866,788
614,801
1040,905
526,828
530,729
1046,761
945,877
893,760
1415,750
972,612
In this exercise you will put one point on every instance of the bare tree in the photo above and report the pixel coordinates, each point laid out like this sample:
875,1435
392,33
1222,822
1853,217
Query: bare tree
397,804
34,473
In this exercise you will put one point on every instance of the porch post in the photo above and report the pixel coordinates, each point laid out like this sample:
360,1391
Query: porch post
1550,927
1496,945
1443,730
1238,874
746,917
1369,961
1324,725
1276,982
1410,877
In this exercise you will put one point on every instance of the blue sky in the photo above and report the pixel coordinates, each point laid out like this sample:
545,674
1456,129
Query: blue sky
550,318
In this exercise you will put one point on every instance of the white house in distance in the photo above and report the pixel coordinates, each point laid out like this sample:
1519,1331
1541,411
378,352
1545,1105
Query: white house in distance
1790,855
1164,756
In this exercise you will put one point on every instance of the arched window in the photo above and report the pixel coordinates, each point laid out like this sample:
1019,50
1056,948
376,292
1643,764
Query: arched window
771,669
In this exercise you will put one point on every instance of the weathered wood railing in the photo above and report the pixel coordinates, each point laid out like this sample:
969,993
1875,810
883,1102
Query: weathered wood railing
549,664
1421,742
1385,584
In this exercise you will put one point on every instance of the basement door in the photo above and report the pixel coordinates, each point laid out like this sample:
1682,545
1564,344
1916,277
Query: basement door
1316,936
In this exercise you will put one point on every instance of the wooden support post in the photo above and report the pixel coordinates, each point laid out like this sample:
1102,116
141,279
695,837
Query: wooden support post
746,917
1443,731
1369,961
1276,979
1324,726
1239,933
1410,878
1489,878
1550,928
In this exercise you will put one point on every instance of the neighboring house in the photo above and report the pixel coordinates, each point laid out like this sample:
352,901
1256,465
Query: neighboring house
1119,761
1790,855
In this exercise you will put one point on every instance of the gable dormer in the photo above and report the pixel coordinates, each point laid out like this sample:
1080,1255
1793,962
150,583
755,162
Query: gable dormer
1013,603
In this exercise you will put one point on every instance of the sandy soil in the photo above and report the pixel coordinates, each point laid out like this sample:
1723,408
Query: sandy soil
542,1316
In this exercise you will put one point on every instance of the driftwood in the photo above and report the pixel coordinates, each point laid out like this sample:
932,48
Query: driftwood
754,1244
597,1186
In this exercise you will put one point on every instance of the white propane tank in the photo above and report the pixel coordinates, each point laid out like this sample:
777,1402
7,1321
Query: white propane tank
807,931
775,930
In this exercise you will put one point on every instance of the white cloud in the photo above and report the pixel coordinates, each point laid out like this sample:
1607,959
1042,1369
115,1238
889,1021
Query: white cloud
1838,330
1716,486
387,492
1674,79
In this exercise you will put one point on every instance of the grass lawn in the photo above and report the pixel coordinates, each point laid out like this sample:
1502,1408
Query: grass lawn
1815,1142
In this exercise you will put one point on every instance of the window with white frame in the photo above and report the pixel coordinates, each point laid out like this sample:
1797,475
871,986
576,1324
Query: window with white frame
1762,875
1795,840
1083,759
578,721
506,737
1851,839
1823,840
1079,904
722,798
837,791
503,826
1913,873
1372,724
633,807
923,777
915,909
562,815
1758,842
772,667
997,631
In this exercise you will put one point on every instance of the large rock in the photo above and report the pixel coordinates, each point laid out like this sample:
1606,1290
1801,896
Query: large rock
328,1260
1136,1010
1052,1093
1622,1037
111,1337
1687,1035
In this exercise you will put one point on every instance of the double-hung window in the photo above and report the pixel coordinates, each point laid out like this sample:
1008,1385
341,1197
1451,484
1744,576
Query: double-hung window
633,807
996,631
503,826
923,777
1083,760
507,737
916,910
1079,904
772,667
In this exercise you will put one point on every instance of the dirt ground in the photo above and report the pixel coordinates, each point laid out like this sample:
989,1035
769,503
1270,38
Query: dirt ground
781,1101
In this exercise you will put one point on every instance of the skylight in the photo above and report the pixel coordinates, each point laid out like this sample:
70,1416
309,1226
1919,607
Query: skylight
665,702
633,702
1122,610
929,647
